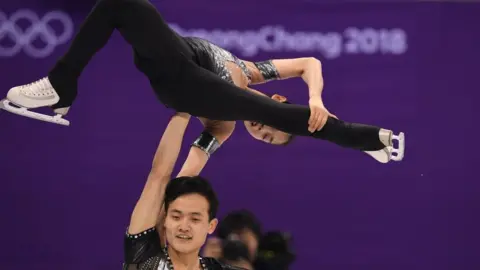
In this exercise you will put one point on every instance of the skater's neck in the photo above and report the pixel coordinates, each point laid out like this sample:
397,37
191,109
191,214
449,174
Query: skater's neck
184,261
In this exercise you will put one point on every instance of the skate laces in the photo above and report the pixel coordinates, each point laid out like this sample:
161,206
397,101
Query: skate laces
38,88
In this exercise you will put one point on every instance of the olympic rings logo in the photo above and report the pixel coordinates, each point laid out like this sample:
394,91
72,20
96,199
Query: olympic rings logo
39,28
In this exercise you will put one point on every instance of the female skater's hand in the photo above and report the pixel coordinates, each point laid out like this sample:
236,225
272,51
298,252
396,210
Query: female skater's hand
318,114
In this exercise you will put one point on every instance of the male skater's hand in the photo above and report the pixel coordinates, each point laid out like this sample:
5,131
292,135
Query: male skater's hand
183,115
318,114
197,159
221,130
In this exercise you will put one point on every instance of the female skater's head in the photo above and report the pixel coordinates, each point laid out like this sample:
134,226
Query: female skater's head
191,207
269,134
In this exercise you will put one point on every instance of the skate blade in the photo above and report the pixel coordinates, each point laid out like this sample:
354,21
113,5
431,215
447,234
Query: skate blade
390,153
57,119
382,156
400,152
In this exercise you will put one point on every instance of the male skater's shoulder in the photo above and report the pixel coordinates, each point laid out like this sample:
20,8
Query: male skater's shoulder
143,250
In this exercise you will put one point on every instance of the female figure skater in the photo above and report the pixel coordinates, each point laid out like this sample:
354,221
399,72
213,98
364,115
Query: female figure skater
194,76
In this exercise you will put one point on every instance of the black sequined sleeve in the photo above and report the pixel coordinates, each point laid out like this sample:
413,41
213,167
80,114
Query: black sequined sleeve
139,248
268,70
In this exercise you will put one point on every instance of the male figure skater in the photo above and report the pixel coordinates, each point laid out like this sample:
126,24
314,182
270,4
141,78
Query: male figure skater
171,240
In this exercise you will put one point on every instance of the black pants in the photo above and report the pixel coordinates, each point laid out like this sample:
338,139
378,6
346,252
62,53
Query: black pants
183,85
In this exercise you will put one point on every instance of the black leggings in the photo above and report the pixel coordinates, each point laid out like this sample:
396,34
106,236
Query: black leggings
181,84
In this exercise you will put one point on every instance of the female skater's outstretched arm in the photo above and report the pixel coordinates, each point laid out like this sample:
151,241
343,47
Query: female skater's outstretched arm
309,69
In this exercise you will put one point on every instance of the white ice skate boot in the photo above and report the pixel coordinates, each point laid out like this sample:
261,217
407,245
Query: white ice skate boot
35,95
389,152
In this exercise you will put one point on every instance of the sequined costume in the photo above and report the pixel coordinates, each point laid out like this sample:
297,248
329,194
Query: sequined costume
189,75
217,58
143,252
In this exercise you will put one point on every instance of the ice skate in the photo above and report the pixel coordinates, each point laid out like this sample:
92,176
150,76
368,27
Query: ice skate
21,99
389,153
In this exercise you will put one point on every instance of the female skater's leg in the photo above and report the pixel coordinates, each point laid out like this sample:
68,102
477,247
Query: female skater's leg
214,98
139,23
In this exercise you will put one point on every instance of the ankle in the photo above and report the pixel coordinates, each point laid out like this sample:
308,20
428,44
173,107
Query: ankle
385,137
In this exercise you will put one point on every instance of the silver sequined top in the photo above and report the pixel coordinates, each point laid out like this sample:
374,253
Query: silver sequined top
218,58
143,252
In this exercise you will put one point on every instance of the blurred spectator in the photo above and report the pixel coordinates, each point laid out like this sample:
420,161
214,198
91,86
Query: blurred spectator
242,225
275,251
240,243
236,253
238,238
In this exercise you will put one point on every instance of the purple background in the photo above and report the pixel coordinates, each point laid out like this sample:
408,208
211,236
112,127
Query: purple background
67,193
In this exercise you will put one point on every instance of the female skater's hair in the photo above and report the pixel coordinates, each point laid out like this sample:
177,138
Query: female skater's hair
186,185
291,137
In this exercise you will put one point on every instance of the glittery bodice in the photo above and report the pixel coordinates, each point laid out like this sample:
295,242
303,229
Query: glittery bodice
143,252
215,58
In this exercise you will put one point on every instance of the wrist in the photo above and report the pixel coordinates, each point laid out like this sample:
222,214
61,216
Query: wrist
316,98
315,93
207,143
181,115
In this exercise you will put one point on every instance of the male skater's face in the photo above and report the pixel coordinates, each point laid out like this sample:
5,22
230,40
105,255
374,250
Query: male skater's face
187,223
266,133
